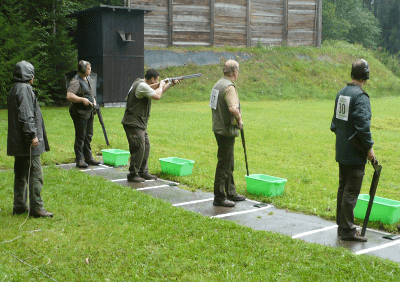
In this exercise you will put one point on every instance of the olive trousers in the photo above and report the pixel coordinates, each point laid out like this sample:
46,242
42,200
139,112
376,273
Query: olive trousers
224,185
350,181
139,147
35,175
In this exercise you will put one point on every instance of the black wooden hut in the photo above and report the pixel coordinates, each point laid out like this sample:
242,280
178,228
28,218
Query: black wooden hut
111,38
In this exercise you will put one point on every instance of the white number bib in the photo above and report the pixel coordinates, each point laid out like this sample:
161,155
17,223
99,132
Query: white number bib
214,99
342,108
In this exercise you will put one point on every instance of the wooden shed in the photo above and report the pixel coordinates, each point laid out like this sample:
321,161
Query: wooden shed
231,22
111,39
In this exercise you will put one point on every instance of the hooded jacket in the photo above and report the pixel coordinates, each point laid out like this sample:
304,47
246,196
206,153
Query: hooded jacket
25,121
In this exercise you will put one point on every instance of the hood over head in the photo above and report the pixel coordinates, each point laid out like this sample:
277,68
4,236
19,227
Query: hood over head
23,71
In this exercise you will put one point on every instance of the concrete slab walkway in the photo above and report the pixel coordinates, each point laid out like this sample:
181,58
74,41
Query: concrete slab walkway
268,218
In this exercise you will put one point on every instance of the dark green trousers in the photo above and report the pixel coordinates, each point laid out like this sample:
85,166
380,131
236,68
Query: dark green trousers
224,185
139,147
21,171
350,182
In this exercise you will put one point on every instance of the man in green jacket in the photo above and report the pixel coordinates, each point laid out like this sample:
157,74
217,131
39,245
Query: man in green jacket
351,123
227,119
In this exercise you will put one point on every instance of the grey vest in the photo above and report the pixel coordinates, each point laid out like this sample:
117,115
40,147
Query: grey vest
137,110
222,117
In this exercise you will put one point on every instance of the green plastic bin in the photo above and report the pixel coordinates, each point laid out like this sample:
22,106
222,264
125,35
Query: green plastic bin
176,166
265,185
115,157
384,210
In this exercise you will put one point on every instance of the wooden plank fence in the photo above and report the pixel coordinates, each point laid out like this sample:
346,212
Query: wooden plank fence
231,22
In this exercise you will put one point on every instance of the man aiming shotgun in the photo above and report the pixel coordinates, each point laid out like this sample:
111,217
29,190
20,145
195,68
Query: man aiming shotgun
136,117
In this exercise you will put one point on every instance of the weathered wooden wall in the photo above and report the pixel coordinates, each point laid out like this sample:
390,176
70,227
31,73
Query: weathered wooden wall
231,22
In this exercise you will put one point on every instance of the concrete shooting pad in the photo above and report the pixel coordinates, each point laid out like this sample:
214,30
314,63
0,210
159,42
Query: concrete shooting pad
308,228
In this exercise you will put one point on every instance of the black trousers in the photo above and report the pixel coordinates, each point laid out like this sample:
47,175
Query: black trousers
350,182
21,173
83,137
139,147
224,185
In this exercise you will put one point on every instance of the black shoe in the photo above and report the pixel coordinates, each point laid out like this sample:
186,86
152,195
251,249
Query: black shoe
42,213
339,232
357,237
135,178
18,211
224,203
92,161
236,198
81,164
148,176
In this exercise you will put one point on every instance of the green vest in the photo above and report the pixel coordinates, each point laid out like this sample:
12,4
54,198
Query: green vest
137,110
221,116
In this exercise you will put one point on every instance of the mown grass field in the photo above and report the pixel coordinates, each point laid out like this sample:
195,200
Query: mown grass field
103,231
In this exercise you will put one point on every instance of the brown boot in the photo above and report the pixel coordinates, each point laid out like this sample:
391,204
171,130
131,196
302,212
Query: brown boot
224,203
236,198
133,177
148,176
81,164
42,213
357,237
92,161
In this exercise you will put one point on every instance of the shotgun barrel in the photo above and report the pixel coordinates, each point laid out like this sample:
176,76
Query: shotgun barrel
372,191
97,108
170,79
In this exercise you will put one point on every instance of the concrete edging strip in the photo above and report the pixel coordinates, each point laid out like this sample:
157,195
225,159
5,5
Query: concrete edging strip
241,212
378,247
313,231
192,202
153,187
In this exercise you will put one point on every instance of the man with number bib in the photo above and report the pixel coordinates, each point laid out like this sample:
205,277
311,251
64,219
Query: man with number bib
351,123
227,119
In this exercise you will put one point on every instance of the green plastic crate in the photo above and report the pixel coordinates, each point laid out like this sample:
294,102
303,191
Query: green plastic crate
265,185
384,210
176,166
115,157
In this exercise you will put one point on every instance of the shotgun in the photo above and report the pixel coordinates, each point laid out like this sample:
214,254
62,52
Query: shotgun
372,191
171,79
97,108
244,148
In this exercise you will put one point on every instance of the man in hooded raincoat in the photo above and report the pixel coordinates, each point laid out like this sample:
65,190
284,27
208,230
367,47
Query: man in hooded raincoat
26,140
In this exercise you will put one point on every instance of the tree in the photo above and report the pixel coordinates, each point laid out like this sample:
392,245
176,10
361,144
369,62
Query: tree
38,32
350,21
